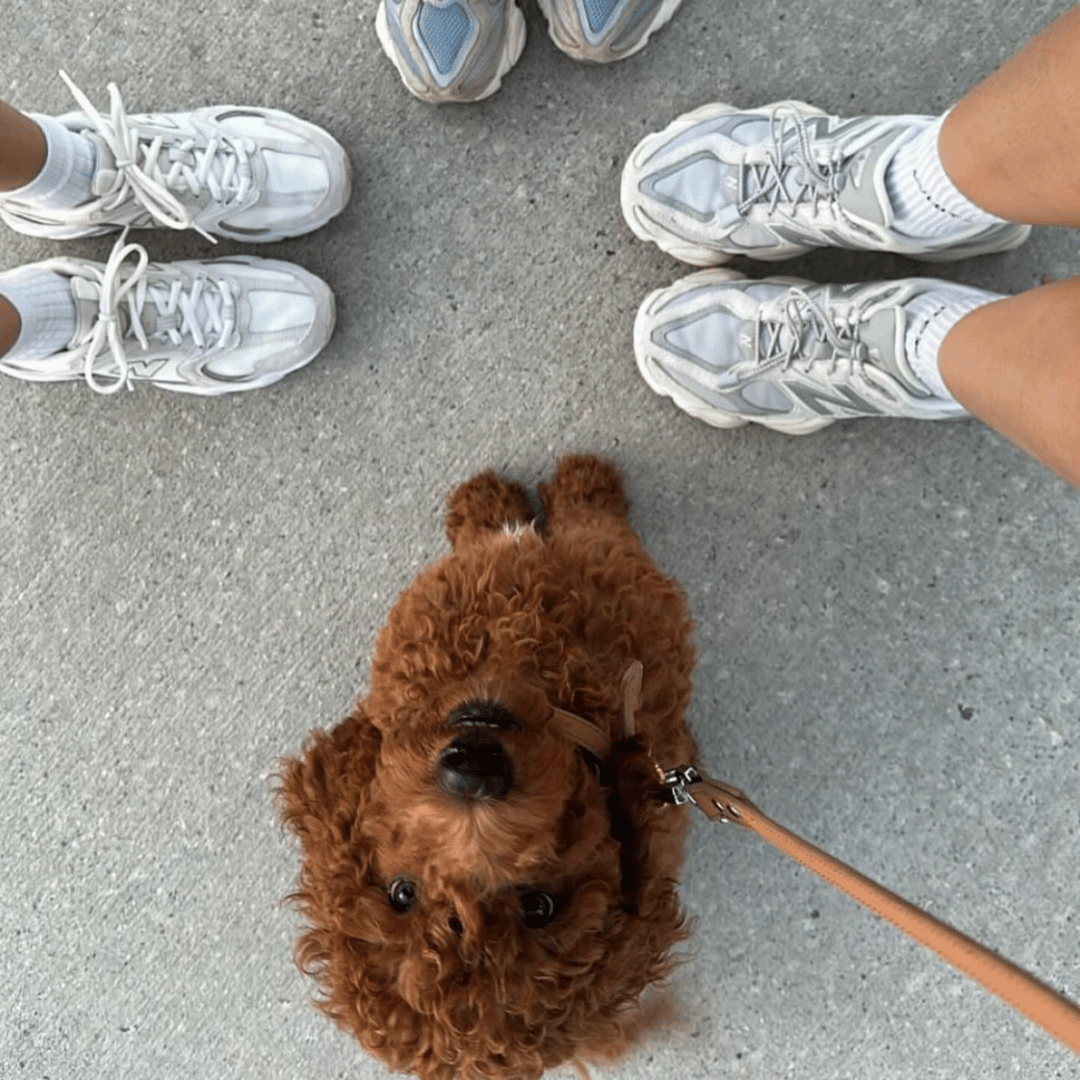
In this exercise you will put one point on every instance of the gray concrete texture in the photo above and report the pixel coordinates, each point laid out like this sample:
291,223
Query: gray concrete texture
888,612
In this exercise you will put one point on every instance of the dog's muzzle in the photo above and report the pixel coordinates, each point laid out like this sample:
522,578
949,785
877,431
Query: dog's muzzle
475,766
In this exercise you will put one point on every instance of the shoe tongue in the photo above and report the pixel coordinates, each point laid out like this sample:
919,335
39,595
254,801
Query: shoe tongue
883,335
87,302
106,173
864,195
879,332
87,308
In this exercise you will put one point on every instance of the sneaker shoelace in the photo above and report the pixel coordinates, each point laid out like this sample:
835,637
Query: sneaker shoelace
203,310
788,340
151,171
790,175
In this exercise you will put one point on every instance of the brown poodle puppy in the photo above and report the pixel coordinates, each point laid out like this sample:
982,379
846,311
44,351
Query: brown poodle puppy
488,895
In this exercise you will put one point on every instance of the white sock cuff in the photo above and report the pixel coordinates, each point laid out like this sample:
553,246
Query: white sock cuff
66,178
46,310
929,318
924,195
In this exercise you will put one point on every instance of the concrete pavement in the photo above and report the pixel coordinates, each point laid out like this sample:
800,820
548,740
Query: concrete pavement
889,612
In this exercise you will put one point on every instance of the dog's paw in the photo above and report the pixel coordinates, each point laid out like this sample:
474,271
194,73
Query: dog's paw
488,502
581,482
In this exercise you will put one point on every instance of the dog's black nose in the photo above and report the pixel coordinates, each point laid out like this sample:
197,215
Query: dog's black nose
476,766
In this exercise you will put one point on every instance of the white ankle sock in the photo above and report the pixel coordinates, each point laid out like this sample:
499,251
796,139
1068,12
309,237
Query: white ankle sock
926,202
65,179
930,317
46,309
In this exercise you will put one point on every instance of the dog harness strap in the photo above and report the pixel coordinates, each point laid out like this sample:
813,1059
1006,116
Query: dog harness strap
631,698
583,733
1038,1002
589,735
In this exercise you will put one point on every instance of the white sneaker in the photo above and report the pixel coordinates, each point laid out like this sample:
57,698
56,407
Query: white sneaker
451,51
606,31
785,353
774,182
249,174
213,327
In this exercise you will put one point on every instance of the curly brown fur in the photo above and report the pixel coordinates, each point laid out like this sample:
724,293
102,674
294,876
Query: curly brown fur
450,777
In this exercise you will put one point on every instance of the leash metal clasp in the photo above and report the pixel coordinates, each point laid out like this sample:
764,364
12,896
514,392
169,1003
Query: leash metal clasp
677,782
718,802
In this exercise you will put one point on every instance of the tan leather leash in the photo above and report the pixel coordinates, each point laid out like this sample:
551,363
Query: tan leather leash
1034,999
721,802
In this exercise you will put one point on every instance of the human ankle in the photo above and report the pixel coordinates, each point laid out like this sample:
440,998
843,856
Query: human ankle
930,317
926,201
38,307
10,324
65,175
24,149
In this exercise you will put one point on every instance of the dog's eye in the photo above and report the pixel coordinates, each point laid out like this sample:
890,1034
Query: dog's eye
537,909
402,894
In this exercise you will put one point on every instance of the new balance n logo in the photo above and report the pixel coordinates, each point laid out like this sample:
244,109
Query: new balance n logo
840,398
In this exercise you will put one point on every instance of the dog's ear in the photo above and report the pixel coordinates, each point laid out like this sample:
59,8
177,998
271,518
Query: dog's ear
486,503
583,485
329,777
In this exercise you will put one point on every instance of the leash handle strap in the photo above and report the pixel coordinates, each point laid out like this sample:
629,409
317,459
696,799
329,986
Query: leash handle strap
1034,999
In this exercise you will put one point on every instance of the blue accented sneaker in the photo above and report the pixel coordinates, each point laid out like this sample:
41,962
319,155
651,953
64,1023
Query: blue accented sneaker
605,30
774,182
242,172
785,353
211,327
451,50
